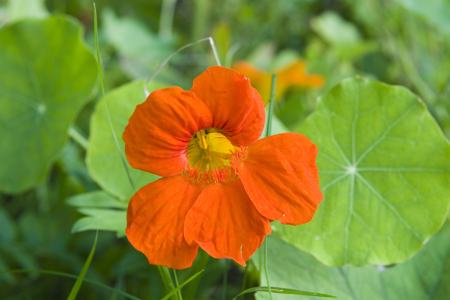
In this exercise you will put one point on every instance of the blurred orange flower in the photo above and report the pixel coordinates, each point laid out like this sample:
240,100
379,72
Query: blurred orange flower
221,186
292,75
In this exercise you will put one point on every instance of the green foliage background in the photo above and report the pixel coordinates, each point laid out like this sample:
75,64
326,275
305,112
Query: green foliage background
381,122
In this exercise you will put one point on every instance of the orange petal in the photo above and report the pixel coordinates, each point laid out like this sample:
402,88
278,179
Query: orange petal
155,221
225,224
237,108
281,178
160,129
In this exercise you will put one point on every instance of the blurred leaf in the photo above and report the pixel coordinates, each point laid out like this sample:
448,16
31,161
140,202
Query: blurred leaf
19,9
342,35
72,160
102,212
141,51
282,59
4,274
38,230
385,171
222,38
133,40
262,56
8,229
104,161
42,89
22,256
333,29
436,12
96,199
102,219
423,277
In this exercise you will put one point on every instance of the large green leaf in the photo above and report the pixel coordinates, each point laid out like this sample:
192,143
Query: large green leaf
105,156
384,168
426,276
47,74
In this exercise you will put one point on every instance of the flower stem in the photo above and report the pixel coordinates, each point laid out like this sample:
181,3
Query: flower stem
267,133
266,268
179,295
75,135
271,105
166,279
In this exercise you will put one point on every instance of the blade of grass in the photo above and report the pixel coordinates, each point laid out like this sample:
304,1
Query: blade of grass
102,91
191,290
268,130
179,287
284,291
76,287
178,293
73,276
266,268
209,39
267,133
167,280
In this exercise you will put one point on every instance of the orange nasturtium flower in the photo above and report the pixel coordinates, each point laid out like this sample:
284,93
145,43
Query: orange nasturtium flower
220,185
292,75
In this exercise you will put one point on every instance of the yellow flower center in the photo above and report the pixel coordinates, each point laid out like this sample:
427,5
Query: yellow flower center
210,150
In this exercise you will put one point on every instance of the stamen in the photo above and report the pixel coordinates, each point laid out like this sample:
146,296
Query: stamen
212,157
201,139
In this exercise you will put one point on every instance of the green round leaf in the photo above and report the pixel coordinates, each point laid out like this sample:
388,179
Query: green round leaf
424,277
106,156
47,74
384,168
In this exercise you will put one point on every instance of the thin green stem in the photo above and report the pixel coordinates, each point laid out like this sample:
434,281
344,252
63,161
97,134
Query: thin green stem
178,293
77,285
97,53
209,39
72,276
266,268
267,133
279,290
179,287
102,90
78,137
191,290
167,280
271,105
